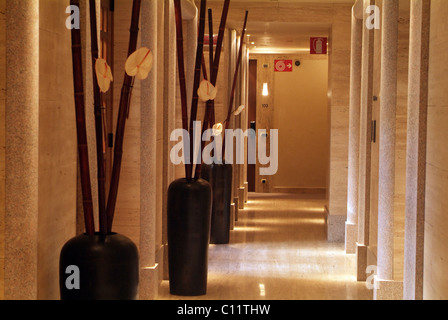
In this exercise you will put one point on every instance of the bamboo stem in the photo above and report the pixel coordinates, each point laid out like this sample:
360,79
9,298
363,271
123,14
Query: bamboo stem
81,128
204,69
122,117
211,40
206,123
182,82
212,114
214,68
205,126
197,73
98,123
211,119
209,104
235,80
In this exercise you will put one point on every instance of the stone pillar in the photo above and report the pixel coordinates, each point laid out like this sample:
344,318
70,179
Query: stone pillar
169,117
386,288
365,146
2,140
240,100
416,149
232,48
244,115
148,165
351,228
22,132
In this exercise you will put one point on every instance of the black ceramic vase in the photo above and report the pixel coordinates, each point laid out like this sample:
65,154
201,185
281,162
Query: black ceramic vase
99,267
220,178
189,211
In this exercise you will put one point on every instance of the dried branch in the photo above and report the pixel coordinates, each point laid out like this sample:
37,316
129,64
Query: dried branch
98,123
83,151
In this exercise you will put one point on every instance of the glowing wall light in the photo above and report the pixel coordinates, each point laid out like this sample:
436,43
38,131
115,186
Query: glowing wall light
265,90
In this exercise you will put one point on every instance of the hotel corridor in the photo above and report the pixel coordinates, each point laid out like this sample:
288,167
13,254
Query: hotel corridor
317,128
278,251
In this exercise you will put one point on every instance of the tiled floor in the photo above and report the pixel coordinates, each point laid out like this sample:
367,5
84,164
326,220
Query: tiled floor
278,251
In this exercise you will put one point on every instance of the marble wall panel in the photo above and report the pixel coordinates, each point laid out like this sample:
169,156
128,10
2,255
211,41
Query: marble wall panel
436,221
57,145
127,215
2,140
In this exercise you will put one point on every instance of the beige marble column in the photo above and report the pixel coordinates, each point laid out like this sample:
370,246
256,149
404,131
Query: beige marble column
416,149
351,228
22,131
240,121
365,147
148,164
386,287
235,205
2,140
245,115
169,117
240,100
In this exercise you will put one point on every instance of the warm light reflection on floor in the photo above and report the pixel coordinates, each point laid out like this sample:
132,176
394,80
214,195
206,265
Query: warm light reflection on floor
278,250
280,222
262,290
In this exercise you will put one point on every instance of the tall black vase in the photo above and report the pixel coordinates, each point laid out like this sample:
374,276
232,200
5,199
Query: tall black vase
220,178
99,267
189,210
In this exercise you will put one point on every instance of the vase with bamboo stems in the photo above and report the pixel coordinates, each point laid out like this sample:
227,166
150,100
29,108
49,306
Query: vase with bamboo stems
220,174
190,198
106,268
102,265
220,178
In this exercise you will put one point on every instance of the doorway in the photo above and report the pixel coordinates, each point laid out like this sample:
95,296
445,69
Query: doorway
252,117
300,114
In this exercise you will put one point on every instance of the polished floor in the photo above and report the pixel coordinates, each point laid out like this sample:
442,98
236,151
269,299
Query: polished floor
278,251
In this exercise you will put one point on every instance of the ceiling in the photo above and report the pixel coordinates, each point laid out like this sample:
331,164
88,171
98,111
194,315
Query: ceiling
283,37
278,37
